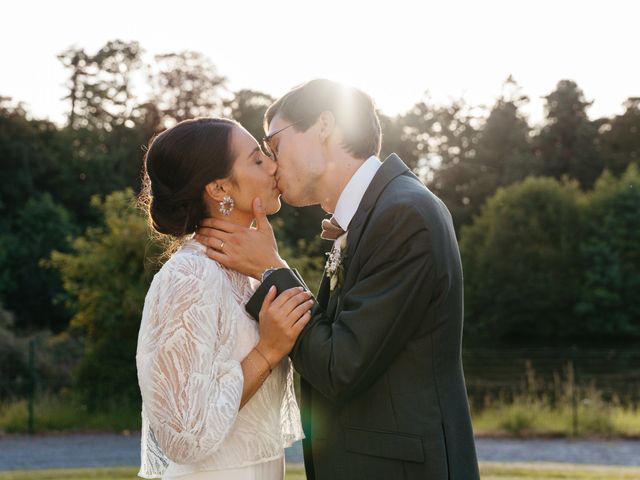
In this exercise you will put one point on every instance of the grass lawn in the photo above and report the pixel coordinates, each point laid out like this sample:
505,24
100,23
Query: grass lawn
489,471
294,472
520,417
555,471
532,416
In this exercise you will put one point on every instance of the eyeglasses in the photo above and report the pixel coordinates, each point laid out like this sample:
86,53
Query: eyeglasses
266,145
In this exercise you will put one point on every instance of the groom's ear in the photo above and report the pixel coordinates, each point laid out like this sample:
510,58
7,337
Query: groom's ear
327,124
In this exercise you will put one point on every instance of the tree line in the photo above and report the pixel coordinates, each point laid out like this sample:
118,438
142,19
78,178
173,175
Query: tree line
547,215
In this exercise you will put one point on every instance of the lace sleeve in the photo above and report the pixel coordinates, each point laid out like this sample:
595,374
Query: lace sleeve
191,388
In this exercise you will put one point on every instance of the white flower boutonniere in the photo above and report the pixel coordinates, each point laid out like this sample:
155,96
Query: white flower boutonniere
334,266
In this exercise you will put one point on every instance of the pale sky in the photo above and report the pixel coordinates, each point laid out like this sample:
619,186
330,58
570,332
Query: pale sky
394,50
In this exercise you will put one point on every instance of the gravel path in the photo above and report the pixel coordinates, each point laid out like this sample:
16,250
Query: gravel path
52,451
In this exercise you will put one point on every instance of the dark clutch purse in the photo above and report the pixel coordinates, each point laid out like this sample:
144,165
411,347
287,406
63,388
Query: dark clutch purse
283,279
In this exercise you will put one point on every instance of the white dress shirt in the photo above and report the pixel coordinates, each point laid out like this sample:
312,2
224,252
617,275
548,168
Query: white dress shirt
352,194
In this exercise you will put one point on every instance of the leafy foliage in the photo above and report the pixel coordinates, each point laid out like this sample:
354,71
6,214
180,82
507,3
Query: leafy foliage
549,238
107,276
608,302
521,257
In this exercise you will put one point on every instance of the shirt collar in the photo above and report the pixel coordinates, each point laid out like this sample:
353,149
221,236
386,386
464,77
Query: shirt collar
355,189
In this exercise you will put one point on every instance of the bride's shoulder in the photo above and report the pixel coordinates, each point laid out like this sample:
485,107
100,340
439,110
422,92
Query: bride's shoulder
190,260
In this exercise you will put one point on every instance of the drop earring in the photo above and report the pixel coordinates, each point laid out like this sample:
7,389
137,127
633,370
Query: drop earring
226,205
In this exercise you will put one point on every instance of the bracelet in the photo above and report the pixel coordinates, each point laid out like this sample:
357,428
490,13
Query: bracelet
265,358
262,374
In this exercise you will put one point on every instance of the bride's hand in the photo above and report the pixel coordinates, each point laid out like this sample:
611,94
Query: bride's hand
247,250
281,321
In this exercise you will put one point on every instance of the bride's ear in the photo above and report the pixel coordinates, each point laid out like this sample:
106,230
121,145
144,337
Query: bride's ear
215,191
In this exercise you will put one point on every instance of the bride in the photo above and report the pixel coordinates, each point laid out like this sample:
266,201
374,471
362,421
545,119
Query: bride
217,387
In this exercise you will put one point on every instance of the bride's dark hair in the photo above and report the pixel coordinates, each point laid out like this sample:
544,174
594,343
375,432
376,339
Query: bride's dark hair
178,164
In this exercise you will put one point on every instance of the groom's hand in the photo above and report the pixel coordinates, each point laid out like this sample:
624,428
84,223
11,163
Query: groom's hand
247,250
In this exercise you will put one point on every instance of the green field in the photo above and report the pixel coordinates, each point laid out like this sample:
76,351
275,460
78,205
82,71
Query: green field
521,417
489,471
294,472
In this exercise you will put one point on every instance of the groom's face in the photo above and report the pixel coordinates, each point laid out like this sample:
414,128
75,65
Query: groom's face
299,160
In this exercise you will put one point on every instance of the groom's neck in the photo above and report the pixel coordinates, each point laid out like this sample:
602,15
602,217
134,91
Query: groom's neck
339,171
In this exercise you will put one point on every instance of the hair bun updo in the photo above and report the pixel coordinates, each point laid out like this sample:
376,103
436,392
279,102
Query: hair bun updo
178,164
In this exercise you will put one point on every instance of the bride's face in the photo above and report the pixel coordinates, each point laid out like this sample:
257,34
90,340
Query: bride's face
253,173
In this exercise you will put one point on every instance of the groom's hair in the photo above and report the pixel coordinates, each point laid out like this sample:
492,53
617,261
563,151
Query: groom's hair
354,112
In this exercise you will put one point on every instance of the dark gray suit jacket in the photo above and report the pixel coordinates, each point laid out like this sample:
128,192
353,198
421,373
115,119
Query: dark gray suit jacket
383,393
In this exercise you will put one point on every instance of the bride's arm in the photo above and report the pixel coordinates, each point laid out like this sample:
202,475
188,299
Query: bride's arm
190,385
255,370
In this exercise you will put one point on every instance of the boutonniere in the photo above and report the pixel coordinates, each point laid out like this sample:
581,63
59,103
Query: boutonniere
334,266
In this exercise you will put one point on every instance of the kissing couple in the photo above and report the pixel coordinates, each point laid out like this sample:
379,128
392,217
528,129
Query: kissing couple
226,321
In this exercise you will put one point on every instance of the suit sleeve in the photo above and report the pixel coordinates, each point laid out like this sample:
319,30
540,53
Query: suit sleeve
342,356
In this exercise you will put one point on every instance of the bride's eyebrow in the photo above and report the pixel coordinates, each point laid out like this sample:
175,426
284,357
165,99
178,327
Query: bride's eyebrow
253,152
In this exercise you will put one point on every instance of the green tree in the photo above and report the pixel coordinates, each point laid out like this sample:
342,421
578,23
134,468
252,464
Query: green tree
609,303
106,277
101,146
95,162
187,85
503,152
620,138
444,140
31,222
520,258
397,138
100,85
39,227
28,158
567,144
464,157
248,108
13,362
77,62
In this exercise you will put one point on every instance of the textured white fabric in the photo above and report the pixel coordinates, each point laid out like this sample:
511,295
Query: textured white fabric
270,470
193,335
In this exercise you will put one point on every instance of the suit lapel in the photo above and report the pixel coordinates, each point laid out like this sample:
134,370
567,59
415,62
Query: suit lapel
392,167
327,298
323,291
333,300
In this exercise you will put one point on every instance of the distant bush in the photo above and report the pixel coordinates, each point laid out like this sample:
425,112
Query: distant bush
520,258
546,261
106,277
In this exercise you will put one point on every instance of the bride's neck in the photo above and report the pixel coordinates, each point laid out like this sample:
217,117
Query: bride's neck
236,218
244,219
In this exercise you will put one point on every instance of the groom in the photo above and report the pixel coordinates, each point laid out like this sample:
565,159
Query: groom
383,392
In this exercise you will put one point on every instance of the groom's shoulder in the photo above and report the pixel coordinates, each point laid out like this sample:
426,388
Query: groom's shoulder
406,195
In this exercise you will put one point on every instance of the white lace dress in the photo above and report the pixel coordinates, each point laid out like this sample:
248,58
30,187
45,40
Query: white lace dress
193,335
